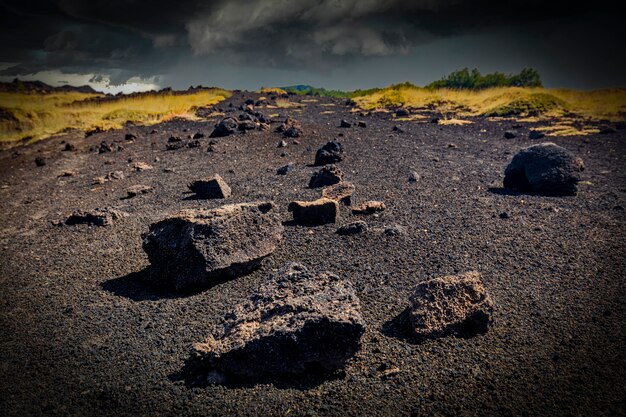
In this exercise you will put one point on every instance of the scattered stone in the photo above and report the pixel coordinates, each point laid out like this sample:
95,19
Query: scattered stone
284,170
315,213
99,180
535,134
226,127
509,134
451,305
211,148
282,144
154,131
345,123
362,124
328,175
65,174
290,128
115,175
40,161
395,230
130,137
504,215
198,135
69,147
402,113
245,125
297,321
296,142
398,129
369,207
201,247
104,147
136,190
211,187
453,145
97,217
353,228
435,120
174,146
341,192
194,144
330,153
140,166
174,139
414,176
546,169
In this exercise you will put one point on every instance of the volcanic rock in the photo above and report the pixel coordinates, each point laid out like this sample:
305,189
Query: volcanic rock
314,213
353,228
369,207
247,125
362,124
97,217
509,134
341,192
284,170
211,187
40,161
199,247
328,175
535,134
140,166
330,153
451,305
402,113
414,176
345,123
290,128
136,190
296,322
546,169
224,128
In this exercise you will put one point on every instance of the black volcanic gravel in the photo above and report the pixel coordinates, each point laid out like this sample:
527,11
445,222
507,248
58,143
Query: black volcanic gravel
82,335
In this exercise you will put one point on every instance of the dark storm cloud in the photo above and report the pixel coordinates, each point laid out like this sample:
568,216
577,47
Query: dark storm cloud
125,38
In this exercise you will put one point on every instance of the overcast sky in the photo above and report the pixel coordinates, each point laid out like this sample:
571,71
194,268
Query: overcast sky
129,45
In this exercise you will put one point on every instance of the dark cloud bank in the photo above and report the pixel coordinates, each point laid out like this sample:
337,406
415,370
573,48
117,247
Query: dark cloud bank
344,43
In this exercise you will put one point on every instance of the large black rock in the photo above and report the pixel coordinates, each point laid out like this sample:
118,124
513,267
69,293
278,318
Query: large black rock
296,322
330,153
546,169
199,247
224,128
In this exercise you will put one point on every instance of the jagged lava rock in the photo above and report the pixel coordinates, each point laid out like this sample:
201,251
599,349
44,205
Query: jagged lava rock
199,247
330,153
297,321
457,305
353,228
328,175
546,169
369,207
211,187
341,192
315,213
97,217
224,128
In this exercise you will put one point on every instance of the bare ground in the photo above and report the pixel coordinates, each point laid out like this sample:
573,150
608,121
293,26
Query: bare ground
82,334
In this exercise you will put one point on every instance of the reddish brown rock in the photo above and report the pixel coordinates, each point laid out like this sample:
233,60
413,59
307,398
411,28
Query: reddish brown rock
369,207
457,305
313,213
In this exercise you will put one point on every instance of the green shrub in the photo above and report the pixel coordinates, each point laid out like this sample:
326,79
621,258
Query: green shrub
473,80
532,105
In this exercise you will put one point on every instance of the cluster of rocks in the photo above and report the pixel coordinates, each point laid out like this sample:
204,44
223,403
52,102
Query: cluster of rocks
249,120
290,128
97,217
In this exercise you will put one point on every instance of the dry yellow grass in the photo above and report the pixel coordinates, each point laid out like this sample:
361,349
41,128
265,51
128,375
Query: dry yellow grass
39,116
272,90
602,104
283,103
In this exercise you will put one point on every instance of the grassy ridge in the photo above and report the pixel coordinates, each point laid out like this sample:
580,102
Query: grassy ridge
36,116
507,101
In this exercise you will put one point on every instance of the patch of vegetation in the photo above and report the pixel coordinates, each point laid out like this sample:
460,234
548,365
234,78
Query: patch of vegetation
42,115
532,105
307,90
473,80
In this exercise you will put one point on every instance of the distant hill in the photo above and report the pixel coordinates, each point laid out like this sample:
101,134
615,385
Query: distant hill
39,87
309,90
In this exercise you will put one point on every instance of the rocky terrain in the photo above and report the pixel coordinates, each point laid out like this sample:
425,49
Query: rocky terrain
313,259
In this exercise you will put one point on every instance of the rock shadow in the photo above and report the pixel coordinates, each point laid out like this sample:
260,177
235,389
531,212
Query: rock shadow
399,328
147,285
505,191
195,375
